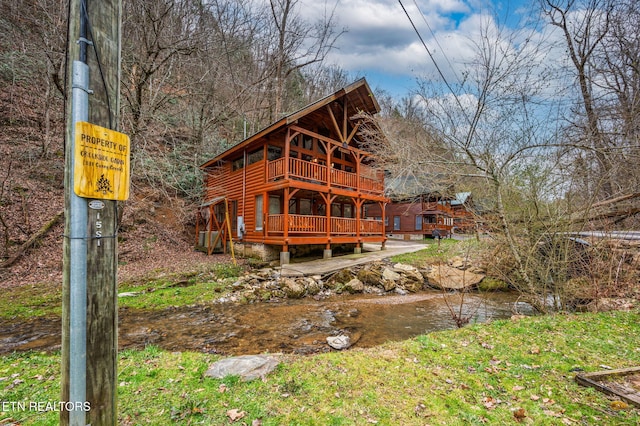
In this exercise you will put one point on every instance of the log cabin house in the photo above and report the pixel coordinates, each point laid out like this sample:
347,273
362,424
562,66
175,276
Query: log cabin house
464,218
415,212
303,182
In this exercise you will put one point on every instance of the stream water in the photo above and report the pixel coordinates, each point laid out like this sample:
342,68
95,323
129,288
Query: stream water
292,326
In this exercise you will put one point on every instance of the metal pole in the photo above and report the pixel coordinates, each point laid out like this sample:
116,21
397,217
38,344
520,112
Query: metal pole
78,261
78,240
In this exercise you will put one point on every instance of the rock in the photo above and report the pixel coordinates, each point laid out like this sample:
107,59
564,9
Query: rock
339,342
248,367
457,262
293,289
370,277
128,294
344,276
388,274
449,278
313,285
412,283
610,304
390,279
354,286
401,267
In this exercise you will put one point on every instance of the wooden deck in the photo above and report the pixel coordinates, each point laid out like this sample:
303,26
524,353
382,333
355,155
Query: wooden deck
369,181
317,225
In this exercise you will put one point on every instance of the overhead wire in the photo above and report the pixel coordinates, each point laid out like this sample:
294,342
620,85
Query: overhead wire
444,54
435,63
85,16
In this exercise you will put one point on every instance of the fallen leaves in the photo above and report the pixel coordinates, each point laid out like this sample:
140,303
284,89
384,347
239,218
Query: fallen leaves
234,414
519,414
619,405
490,402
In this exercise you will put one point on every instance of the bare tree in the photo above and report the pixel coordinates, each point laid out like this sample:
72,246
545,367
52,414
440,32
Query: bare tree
292,45
156,34
493,130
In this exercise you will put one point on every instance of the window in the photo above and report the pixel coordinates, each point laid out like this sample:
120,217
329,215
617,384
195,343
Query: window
396,223
305,206
259,212
419,222
273,153
274,204
255,156
307,143
237,164
307,157
336,210
293,154
347,210
386,221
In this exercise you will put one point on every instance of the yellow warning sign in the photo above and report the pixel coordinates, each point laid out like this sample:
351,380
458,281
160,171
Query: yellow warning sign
101,168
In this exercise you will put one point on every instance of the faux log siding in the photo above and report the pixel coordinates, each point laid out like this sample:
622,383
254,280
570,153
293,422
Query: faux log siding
227,183
407,213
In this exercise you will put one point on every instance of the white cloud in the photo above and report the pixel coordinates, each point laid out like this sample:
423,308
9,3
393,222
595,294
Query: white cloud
380,40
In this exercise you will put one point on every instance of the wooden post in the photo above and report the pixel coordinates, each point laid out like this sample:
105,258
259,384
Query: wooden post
104,24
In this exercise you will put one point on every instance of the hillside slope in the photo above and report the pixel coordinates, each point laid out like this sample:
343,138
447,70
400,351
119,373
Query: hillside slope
155,228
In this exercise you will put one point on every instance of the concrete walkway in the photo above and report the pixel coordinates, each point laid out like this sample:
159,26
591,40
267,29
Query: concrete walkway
371,253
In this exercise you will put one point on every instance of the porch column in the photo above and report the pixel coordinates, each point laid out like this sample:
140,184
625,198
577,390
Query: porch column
287,150
285,256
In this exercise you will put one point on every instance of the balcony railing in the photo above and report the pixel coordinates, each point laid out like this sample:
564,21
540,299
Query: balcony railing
308,224
370,180
438,207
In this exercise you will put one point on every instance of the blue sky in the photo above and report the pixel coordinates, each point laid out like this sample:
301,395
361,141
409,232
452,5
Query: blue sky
381,44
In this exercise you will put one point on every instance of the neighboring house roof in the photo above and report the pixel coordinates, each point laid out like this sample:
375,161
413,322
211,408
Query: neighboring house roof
360,98
461,198
411,185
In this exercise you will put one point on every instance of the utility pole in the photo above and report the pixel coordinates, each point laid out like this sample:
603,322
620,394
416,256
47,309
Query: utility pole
96,176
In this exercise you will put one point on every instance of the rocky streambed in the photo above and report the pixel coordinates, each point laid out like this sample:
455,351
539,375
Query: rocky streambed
378,278
360,306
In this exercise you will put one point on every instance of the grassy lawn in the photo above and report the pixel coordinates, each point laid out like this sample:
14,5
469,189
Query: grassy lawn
183,289
481,374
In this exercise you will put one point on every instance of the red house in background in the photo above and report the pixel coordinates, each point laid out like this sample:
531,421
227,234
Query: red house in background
303,182
415,211
464,216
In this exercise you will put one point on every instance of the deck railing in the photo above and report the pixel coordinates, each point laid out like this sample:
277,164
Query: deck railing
307,170
344,179
444,208
308,224
370,180
371,226
429,227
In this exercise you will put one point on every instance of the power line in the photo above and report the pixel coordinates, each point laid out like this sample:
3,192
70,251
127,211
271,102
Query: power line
424,19
435,63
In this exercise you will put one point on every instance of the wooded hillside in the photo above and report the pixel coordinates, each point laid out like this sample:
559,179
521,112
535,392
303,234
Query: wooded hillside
196,78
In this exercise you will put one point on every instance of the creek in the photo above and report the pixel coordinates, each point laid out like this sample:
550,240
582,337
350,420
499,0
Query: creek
290,326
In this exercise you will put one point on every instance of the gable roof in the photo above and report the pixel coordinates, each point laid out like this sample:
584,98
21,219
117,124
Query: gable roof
358,94
461,198
411,185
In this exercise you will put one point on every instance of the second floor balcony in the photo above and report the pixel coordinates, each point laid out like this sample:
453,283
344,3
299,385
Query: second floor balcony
368,180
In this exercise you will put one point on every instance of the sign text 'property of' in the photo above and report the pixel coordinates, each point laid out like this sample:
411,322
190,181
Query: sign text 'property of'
101,168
